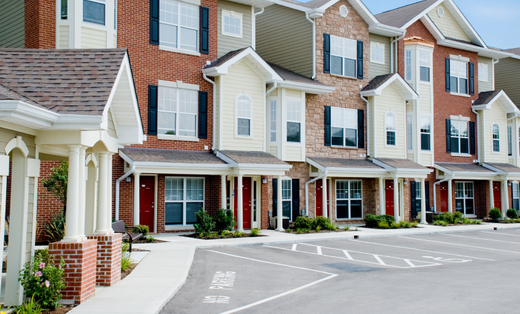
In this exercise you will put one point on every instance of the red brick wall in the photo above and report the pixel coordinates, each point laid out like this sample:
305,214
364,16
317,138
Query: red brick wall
109,251
40,24
49,204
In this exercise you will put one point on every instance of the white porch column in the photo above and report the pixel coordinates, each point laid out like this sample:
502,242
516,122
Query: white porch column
396,200
279,205
4,172
91,198
423,202
325,209
73,191
240,205
505,198
137,182
223,191
109,193
232,194
82,192
382,205
450,197
101,217
491,199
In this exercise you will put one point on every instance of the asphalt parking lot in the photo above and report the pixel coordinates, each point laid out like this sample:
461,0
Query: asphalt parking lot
471,272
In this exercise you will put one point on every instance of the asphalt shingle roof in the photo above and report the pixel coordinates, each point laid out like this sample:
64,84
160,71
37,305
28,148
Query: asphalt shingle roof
289,75
459,167
344,162
516,51
224,58
400,163
171,156
400,16
504,167
486,97
247,157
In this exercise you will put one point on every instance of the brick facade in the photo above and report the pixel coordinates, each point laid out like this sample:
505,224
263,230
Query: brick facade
108,266
49,204
40,24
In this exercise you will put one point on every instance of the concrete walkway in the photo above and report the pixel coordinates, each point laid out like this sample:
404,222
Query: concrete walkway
163,271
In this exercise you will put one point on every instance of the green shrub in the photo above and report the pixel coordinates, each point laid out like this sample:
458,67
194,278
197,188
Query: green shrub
383,225
237,234
255,232
150,239
224,220
347,228
126,261
394,225
303,222
372,221
125,247
289,230
512,213
225,233
29,307
440,223
141,228
318,228
205,223
495,214
415,224
320,221
54,230
299,231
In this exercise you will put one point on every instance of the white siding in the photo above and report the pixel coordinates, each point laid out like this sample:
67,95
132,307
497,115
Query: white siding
392,100
111,127
12,24
376,69
229,43
273,150
498,115
370,139
425,102
485,86
7,135
63,39
93,38
448,25
293,153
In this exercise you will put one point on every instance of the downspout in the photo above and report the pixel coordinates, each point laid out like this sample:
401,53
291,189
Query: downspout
434,191
214,106
313,44
272,89
494,62
367,127
392,52
307,191
254,26
478,131
132,170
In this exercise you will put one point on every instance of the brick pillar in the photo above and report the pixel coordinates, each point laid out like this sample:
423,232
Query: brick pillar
80,268
108,268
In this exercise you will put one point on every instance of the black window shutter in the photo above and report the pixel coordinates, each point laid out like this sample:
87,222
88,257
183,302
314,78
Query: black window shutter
360,59
427,194
326,53
413,199
471,78
472,138
295,198
204,30
154,22
361,128
152,110
275,197
448,135
203,114
327,125
448,85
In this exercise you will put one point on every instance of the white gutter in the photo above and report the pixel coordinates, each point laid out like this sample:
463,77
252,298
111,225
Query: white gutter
367,126
214,106
272,89
478,139
313,44
254,25
494,62
307,190
434,192
392,52
132,170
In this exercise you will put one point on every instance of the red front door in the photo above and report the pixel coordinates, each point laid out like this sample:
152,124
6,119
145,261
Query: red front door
444,196
246,201
389,197
146,202
497,197
319,198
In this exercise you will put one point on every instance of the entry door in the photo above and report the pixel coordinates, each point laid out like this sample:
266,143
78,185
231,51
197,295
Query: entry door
246,201
319,198
497,197
146,202
444,196
389,197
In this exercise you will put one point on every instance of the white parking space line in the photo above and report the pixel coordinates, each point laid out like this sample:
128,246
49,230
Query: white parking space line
465,245
348,255
383,263
409,263
294,246
459,236
318,249
506,234
423,250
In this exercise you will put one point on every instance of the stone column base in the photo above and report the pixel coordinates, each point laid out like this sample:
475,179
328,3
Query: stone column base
80,268
108,268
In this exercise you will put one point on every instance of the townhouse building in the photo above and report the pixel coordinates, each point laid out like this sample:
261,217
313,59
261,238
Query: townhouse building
506,74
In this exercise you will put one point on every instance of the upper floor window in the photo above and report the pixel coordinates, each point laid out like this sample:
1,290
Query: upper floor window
344,127
94,11
178,109
377,52
179,25
390,127
272,120
459,137
409,132
343,56
426,133
424,65
458,77
243,113
64,9
496,137
482,72
509,140
408,65
231,23
294,121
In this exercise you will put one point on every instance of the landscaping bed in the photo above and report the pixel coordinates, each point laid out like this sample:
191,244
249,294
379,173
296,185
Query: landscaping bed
387,222
225,234
314,225
59,310
218,226
453,219
496,216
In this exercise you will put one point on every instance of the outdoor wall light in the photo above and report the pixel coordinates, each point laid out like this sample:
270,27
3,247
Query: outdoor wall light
128,179
264,180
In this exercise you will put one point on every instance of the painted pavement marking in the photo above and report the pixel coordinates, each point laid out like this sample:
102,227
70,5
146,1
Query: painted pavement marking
459,236
465,245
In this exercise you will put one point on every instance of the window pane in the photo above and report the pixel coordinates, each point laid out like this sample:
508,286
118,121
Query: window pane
187,125
93,12
390,138
355,190
341,189
168,35
350,67
337,136
459,189
173,213
496,145
174,189
286,209
232,25
350,138
425,74
64,11
189,15
188,101
455,145
286,189
409,132
356,209
469,207
293,132
425,141
169,12
336,65
194,189
516,190
189,39
191,209
243,127
408,65
464,146
459,205
166,123
342,209
454,84
273,120
390,122
468,189
516,204
509,140
463,86
244,107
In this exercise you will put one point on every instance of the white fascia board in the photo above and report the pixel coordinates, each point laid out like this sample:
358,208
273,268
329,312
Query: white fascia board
383,165
512,107
411,173
28,112
308,88
362,10
485,52
465,174
411,94
423,13
347,170
481,107
386,30
293,6
178,166
432,28
78,122
255,3
263,167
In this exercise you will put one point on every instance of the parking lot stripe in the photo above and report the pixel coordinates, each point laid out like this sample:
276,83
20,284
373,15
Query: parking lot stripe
408,262
380,260
457,244
348,255
423,250
506,234
482,239
294,246
318,249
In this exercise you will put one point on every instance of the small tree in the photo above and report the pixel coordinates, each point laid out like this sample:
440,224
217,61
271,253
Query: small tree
56,183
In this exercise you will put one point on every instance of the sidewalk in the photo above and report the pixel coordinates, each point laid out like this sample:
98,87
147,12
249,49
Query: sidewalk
163,271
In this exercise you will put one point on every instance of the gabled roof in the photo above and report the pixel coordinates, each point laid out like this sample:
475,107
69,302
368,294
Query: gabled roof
300,82
399,17
250,157
515,51
376,86
335,162
171,156
463,170
486,99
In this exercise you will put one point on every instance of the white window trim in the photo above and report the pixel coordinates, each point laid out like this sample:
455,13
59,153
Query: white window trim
302,109
386,131
377,45
287,199
344,133
184,51
233,15
465,198
250,136
467,120
184,200
480,78
348,199
179,85
430,133
275,125
178,25
409,135
509,134
515,183
460,59
492,139
430,57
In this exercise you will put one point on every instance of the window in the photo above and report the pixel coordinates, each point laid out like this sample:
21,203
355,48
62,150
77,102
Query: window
425,133
424,65
509,140
458,76
178,25
349,197
178,109
459,137
408,65
377,52
343,56
287,198
94,11
417,196
183,198
516,196
243,112
64,9
231,23
409,132
464,198
272,118
115,14
482,72
496,137
343,127
390,128
294,118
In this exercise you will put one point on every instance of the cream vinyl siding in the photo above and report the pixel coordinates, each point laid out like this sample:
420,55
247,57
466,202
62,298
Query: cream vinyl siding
370,138
241,78
111,127
281,30
425,102
63,40
496,114
93,38
12,24
376,69
273,150
390,99
447,24
507,76
485,86
7,135
229,43
293,153
426,159
115,41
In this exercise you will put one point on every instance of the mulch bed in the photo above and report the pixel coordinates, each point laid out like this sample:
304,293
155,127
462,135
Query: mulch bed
143,240
129,270
391,228
321,231
229,236
60,310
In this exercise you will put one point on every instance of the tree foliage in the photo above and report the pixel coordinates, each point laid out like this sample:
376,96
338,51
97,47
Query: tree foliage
56,182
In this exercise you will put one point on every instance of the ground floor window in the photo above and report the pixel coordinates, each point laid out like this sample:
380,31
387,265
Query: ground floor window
417,197
287,197
464,198
349,204
183,198
516,196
